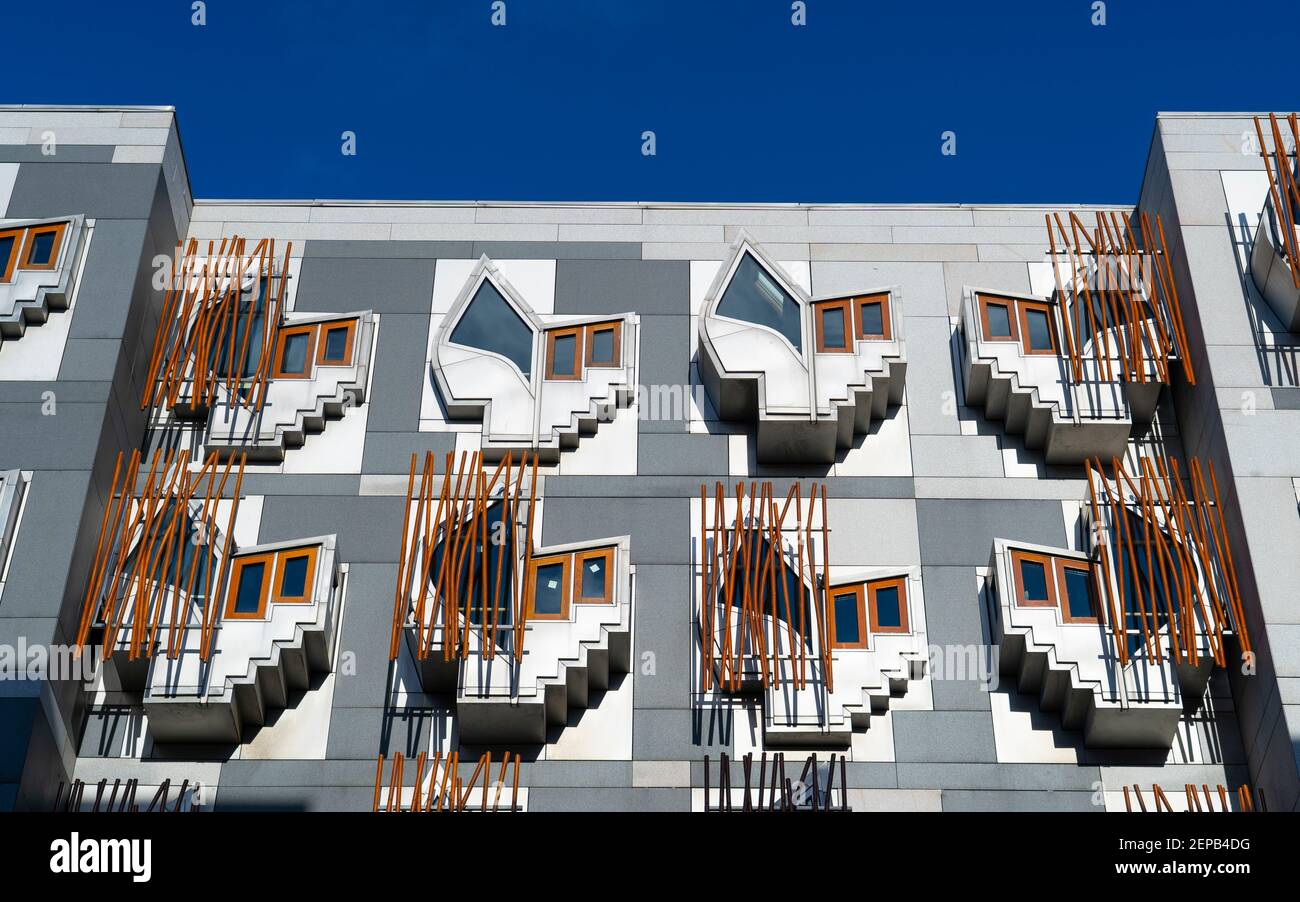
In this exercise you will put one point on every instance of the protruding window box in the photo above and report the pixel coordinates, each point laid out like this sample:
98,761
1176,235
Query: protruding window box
538,385
38,266
809,372
1273,257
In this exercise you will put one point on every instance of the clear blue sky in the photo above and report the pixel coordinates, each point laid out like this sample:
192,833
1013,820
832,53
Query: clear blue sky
746,107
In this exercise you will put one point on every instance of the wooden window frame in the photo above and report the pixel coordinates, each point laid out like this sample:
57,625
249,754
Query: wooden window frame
590,331
551,336
883,299
1049,578
29,245
324,329
1022,315
904,621
1063,564
579,560
268,576
860,593
16,254
1013,316
566,585
281,557
820,308
308,359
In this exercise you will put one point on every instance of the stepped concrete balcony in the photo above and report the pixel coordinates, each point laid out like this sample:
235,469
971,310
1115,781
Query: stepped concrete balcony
809,372
1121,639
1274,254
520,633
822,649
39,260
211,635
538,384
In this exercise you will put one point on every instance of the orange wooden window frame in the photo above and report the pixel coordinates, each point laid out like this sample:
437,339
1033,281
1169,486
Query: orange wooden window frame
308,358
819,309
860,596
15,253
1063,564
551,336
236,571
1013,317
885,312
1049,578
589,339
30,245
904,622
565,585
580,559
1023,308
323,342
281,558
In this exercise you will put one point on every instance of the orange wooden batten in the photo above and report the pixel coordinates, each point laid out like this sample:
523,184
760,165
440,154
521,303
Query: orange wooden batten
1199,800
1283,189
446,790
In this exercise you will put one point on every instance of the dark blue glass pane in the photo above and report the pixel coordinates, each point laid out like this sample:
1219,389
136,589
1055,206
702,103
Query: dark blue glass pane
564,355
888,612
1078,592
753,296
42,249
491,324
999,316
223,353
602,346
1040,333
548,594
593,577
248,595
1033,577
336,343
833,328
294,357
293,581
846,618
471,591
6,251
873,318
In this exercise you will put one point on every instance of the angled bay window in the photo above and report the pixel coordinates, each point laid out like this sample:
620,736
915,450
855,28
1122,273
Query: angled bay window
233,366
538,384
810,372
475,587
1122,637
822,649
1079,370
38,268
196,626
1275,252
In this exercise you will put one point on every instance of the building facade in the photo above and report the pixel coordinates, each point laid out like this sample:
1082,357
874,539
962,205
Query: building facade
336,505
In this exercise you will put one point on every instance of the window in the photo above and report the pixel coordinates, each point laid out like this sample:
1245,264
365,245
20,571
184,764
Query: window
848,613
548,588
832,321
996,318
43,246
563,353
1078,600
10,242
246,345
248,587
754,296
336,343
489,323
293,352
295,572
605,344
1037,329
872,315
1034,584
887,601
592,581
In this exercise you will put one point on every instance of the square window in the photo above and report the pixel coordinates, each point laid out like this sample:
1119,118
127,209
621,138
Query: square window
548,588
10,240
43,246
832,321
563,350
248,587
1080,602
1039,334
295,576
847,613
604,344
336,344
873,320
1035,586
592,579
888,604
997,318
293,353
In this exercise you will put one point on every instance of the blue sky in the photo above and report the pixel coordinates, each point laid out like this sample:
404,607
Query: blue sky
745,106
